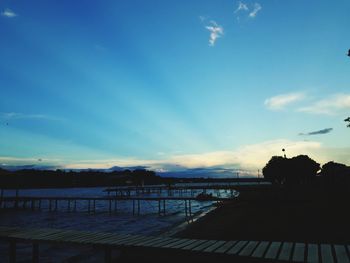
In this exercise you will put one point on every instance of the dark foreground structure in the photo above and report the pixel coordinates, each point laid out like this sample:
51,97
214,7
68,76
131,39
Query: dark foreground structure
135,248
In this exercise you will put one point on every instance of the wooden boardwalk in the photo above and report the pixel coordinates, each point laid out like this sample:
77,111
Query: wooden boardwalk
267,251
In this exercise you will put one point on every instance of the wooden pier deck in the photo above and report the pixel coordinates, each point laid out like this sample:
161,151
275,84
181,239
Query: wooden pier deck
184,189
251,251
36,202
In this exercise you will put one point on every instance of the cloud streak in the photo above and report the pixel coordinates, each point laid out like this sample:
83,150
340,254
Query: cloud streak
256,8
241,7
279,102
8,13
323,131
250,11
330,106
216,31
18,116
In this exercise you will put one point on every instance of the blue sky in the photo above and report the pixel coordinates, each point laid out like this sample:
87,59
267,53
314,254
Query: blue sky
171,84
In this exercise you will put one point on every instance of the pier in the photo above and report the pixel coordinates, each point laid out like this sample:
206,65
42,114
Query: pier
210,250
180,190
52,203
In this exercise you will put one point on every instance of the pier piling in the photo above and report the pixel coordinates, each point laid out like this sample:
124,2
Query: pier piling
35,253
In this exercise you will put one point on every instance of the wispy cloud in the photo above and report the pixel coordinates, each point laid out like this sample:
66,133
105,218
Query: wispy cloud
241,7
280,101
256,8
330,106
249,11
17,116
8,13
323,131
216,31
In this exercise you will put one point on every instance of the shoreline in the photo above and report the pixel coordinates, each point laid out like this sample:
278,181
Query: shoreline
177,228
299,215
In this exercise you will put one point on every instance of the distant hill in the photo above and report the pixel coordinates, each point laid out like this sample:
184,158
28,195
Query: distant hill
206,173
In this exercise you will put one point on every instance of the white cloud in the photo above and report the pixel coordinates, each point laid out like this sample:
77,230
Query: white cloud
8,13
17,115
216,31
241,7
332,105
280,101
257,7
257,155
248,11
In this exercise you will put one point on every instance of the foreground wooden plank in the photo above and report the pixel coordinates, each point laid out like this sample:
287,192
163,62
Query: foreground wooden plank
326,253
341,255
100,238
45,235
146,242
64,237
237,247
49,236
260,249
204,245
312,253
104,239
248,249
133,242
191,241
286,251
31,233
85,238
193,245
179,242
299,252
120,241
273,250
167,244
225,247
162,242
214,246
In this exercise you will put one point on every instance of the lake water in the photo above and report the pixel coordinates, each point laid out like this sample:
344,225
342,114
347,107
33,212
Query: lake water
122,221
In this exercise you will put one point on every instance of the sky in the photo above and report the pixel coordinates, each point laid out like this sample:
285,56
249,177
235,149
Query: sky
173,84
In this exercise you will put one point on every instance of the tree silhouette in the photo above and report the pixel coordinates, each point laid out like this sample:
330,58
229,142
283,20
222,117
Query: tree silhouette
296,170
336,172
347,120
275,169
